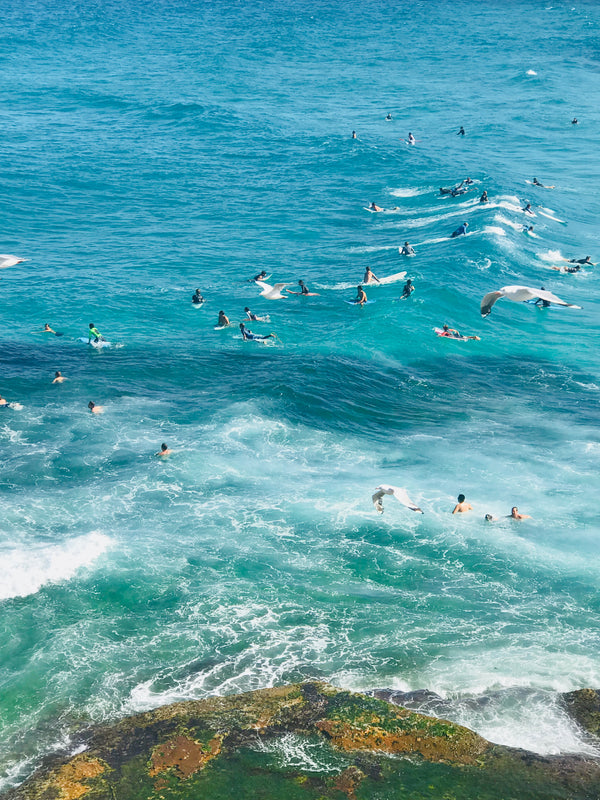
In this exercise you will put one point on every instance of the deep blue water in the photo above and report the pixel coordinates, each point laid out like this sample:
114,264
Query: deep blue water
150,150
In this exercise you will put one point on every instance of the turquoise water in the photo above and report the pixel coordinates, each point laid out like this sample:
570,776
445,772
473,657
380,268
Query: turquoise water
148,151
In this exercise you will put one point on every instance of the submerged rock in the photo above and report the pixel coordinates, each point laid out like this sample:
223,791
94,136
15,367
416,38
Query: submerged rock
305,741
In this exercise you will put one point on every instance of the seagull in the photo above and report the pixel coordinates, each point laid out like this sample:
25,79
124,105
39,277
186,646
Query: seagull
272,292
399,493
520,294
9,261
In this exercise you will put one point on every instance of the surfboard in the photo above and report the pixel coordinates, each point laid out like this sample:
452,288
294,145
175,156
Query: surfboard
222,327
397,276
98,345
373,210
304,294
354,303
198,305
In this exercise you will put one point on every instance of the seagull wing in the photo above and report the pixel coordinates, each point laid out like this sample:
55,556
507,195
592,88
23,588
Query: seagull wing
488,301
401,495
266,287
279,286
9,261
552,298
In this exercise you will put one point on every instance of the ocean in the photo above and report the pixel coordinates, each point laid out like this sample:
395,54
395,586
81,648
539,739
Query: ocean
149,149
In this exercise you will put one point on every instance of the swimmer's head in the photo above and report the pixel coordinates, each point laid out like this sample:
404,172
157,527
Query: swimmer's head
301,283
242,326
163,447
405,244
91,405
246,309
488,518
445,326
91,324
57,374
461,498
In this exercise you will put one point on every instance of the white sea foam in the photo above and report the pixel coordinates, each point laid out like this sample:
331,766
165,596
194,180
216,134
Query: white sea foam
531,72
409,192
26,569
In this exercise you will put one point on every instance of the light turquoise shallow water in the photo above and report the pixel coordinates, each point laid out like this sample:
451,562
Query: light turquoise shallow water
147,151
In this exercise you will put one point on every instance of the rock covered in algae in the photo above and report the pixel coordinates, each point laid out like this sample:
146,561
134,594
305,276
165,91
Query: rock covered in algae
584,706
301,742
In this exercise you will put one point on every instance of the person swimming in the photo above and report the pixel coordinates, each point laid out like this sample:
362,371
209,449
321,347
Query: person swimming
354,134
389,116
461,131
407,250
164,451
260,277
458,190
484,197
197,298
95,409
58,378
407,290
528,209
252,317
574,121
248,336
48,329
461,231
411,138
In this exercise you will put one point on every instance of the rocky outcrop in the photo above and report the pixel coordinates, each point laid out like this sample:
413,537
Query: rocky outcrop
305,741
584,706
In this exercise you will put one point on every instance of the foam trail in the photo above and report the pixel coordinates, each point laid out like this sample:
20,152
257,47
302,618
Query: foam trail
27,570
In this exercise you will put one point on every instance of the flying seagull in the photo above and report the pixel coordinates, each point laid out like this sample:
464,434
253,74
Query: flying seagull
520,294
399,493
272,292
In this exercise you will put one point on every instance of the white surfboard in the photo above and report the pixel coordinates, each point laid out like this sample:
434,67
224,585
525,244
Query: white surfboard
397,276
95,344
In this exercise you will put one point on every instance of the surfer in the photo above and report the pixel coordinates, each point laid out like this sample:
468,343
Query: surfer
354,134
260,277
461,231
527,228
407,290
540,301
528,209
369,277
247,334
58,378
407,250
375,207
574,121
252,317
514,514
389,116
467,181
197,298
411,138
303,287
462,506
223,320
461,131
571,270
586,260
489,518
458,190
94,334
361,296
452,333
95,409
3,401
484,197
541,185
164,451
48,329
